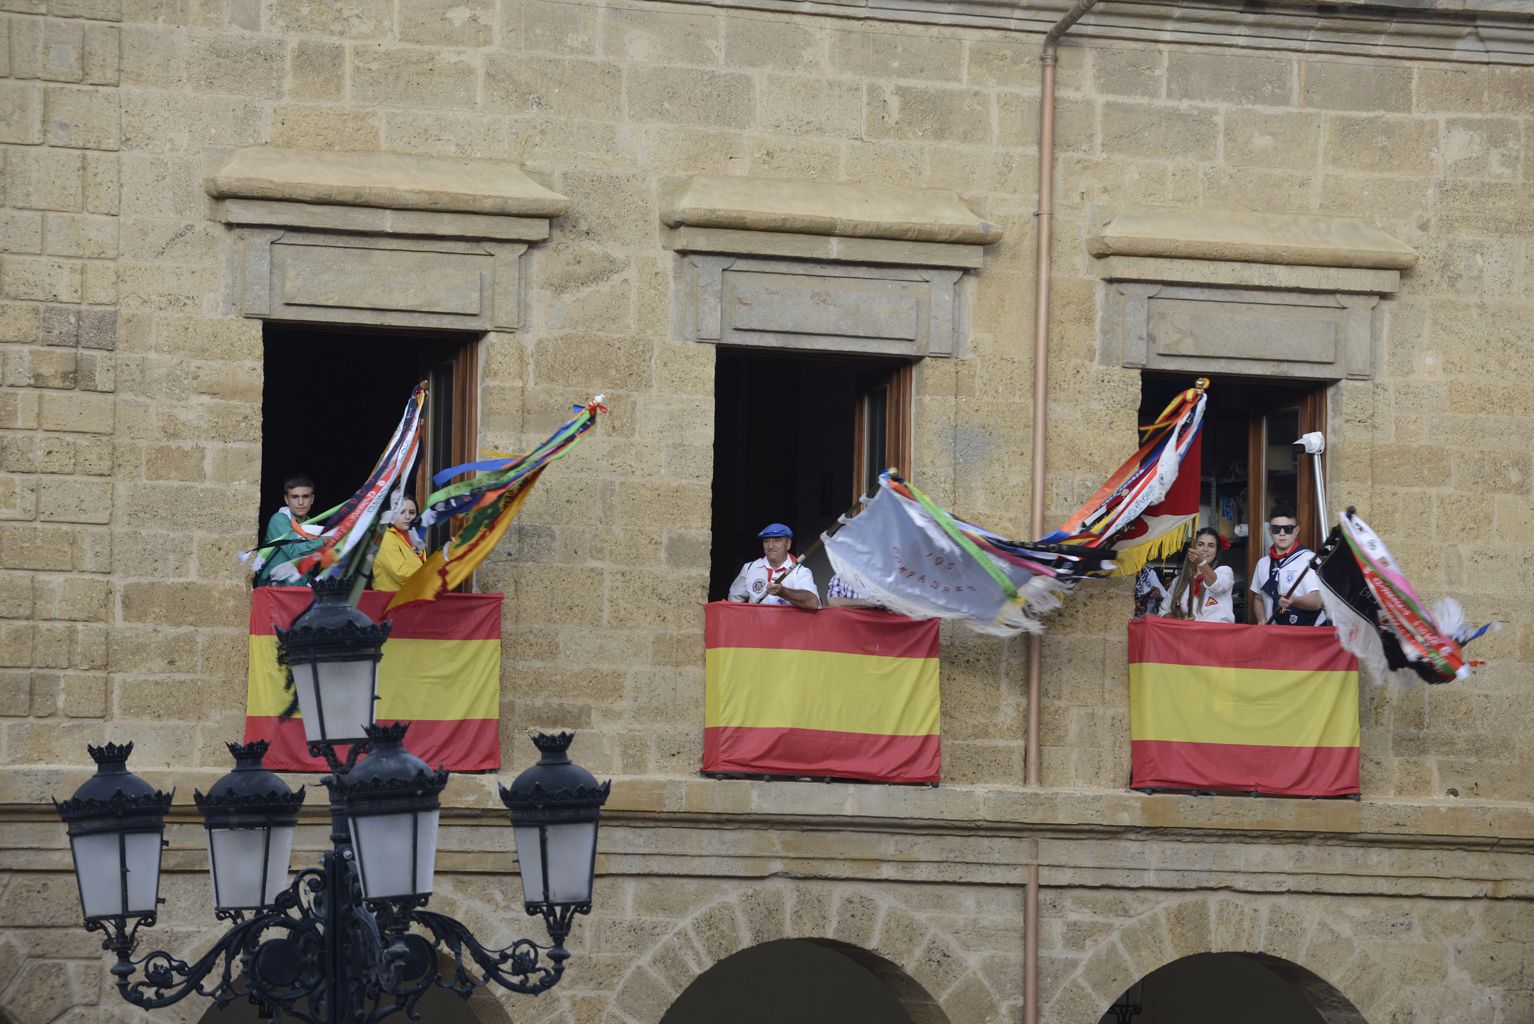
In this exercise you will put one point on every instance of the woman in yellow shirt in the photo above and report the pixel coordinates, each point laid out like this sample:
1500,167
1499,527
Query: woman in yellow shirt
397,558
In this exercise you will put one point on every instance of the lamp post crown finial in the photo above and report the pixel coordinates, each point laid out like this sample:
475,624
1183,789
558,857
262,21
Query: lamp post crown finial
254,750
391,733
110,755
554,746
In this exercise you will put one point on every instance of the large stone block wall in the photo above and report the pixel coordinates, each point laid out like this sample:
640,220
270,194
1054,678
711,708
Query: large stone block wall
130,414
1432,932
131,399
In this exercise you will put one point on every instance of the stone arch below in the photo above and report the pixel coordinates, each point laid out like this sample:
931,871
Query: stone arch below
1274,932
1207,987
924,968
439,1006
804,980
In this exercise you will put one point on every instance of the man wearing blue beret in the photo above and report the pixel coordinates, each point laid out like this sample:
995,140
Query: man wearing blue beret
776,578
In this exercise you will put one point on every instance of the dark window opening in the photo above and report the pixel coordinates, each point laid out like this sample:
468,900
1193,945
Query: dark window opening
796,437
332,398
1249,464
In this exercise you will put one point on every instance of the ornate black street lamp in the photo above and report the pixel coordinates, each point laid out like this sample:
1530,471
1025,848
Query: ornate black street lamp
332,651
350,941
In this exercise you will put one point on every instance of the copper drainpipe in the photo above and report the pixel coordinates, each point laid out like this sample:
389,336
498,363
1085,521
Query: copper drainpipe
1040,436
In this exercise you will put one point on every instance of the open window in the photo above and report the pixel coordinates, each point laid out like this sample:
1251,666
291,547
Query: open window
332,397
1249,464
796,438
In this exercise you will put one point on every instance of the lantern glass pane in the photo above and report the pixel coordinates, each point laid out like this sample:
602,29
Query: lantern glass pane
143,872
99,870
250,865
530,863
571,848
390,865
426,850
99,867
346,690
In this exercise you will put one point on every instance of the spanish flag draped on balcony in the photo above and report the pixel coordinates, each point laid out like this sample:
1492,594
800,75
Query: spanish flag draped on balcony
484,504
1149,506
1251,709
840,693
441,671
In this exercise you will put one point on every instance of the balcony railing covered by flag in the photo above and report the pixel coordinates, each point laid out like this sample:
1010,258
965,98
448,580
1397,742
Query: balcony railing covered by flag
441,671
839,693
1223,707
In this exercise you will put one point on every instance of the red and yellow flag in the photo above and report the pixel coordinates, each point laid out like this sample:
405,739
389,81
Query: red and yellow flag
841,693
441,671
1256,709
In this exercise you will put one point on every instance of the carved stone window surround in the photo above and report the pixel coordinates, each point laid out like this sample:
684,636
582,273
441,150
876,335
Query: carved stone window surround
823,266
1243,293
378,238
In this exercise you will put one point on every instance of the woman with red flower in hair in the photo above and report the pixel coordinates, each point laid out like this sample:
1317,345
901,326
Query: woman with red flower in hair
1203,590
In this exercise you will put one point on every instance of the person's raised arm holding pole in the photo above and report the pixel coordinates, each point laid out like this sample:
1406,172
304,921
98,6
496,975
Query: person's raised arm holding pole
1203,589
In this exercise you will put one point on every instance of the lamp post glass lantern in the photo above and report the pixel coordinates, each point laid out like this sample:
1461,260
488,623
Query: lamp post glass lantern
250,815
333,650
391,801
555,807
350,941
116,824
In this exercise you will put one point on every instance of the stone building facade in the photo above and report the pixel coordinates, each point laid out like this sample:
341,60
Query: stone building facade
569,188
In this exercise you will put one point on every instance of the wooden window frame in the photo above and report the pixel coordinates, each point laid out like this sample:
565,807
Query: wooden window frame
897,385
1311,410
460,370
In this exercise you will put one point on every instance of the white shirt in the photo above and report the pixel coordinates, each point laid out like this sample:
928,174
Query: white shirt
1214,599
751,584
1289,570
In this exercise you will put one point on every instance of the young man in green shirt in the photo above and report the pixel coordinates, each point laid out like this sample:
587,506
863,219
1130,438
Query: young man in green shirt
286,526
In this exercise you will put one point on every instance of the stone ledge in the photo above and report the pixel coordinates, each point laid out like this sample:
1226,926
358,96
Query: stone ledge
847,210
374,220
1458,31
1233,274
694,802
823,248
386,180
1242,237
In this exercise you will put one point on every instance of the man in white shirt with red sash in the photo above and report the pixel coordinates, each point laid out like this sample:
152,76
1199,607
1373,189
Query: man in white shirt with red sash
1290,592
776,578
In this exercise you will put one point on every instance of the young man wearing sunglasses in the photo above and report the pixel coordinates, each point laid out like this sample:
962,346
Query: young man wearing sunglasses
1287,561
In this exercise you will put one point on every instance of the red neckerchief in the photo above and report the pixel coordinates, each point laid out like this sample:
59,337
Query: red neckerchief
786,568
1198,584
1279,559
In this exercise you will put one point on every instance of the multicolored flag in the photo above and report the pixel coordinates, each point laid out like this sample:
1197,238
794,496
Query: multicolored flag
1252,709
349,541
916,559
1149,506
441,671
839,693
1378,615
486,503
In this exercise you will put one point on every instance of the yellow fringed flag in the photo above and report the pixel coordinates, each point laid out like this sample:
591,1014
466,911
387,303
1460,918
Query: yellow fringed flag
1149,506
451,564
483,506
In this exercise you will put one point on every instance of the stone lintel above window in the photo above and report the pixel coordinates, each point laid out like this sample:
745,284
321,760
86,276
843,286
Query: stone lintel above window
839,267
1211,291
380,238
